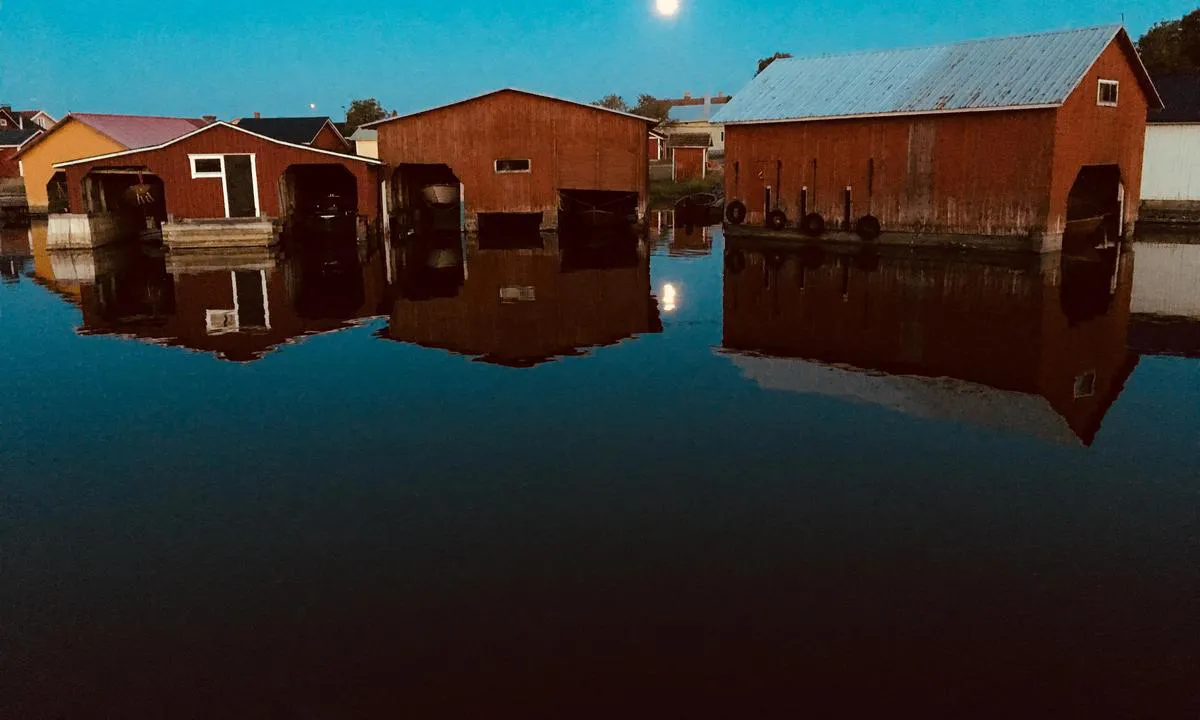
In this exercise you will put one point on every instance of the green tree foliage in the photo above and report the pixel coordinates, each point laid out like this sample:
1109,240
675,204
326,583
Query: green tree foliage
1172,46
651,107
613,102
364,111
765,63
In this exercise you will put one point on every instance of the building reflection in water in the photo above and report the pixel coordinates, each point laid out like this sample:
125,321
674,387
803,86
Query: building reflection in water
1166,297
237,305
15,252
681,239
520,299
1032,344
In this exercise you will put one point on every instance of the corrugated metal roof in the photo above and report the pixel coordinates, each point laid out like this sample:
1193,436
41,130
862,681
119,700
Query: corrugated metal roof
137,131
1013,72
691,113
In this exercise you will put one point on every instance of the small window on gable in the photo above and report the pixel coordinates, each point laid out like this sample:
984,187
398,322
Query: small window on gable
513,166
206,166
3,122
1108,93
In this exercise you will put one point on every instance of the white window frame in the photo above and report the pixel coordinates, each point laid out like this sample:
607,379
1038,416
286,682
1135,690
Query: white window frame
496,166
192,158
1115,84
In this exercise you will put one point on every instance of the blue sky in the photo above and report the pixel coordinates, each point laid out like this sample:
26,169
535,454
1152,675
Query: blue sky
233,57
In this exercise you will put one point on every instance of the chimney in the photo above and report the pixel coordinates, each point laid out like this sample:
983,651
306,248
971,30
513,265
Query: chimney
210,119
257,115
687,96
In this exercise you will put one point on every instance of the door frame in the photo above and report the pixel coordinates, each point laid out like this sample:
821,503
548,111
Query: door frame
192,158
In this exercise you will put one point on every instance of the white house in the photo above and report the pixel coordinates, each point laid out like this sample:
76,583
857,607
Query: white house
1171,168
694,119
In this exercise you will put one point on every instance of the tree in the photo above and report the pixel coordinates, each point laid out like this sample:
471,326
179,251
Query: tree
362,112
1172,46
613,102
765,63
651,107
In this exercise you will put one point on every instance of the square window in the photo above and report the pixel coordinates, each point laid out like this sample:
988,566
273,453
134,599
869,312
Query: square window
513,166
1108,93
206,166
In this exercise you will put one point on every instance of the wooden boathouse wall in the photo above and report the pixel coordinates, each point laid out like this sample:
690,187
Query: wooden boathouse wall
1001,172
203,198
569,146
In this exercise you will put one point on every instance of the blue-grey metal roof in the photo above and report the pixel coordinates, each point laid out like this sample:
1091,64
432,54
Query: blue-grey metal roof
1012,72
690,113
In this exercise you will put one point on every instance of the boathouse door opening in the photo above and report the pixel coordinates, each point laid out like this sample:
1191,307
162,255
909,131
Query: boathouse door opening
597,209
1094,205
319,198
133,194
427,198
56,193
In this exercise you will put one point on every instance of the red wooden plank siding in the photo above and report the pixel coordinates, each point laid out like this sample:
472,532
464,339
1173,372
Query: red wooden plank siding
689,163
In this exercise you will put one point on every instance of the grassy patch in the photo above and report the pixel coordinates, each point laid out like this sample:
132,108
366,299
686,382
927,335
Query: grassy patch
665,193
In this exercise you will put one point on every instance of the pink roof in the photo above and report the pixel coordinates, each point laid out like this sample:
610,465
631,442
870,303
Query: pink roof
138,131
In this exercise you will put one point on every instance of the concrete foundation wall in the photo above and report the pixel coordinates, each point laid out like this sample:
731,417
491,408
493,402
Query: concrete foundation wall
70,231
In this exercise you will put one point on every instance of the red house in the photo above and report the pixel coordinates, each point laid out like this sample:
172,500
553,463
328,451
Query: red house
221,186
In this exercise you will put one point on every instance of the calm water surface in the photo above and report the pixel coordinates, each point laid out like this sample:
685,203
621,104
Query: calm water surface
685,477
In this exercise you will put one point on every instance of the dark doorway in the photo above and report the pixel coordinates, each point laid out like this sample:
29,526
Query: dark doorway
320,199
239,185
426,198
56,193
1094,205
250,299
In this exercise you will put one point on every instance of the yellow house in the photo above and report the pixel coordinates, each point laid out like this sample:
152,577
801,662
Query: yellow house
82,135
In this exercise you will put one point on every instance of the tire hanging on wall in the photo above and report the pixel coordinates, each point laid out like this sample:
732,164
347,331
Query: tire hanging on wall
776,220
813,225
735,262
868,228
735,212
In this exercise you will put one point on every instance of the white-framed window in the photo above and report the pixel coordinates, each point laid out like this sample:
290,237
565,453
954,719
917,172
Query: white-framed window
207,166
3,122
1085,385
513,165
1108,93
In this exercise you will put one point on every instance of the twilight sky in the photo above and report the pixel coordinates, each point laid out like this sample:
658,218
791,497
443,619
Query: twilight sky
232,57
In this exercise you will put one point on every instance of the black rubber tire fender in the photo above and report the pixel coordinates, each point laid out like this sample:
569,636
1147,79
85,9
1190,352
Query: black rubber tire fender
777,220
868,228
735,212
813,225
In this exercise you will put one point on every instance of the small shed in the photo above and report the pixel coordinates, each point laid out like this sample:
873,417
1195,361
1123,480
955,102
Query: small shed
223,185
1171,173
689,155
1006,143
512,155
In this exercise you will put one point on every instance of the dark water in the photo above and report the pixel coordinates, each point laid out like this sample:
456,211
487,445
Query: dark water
688,478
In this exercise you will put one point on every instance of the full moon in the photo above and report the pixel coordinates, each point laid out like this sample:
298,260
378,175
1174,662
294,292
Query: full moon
667,8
